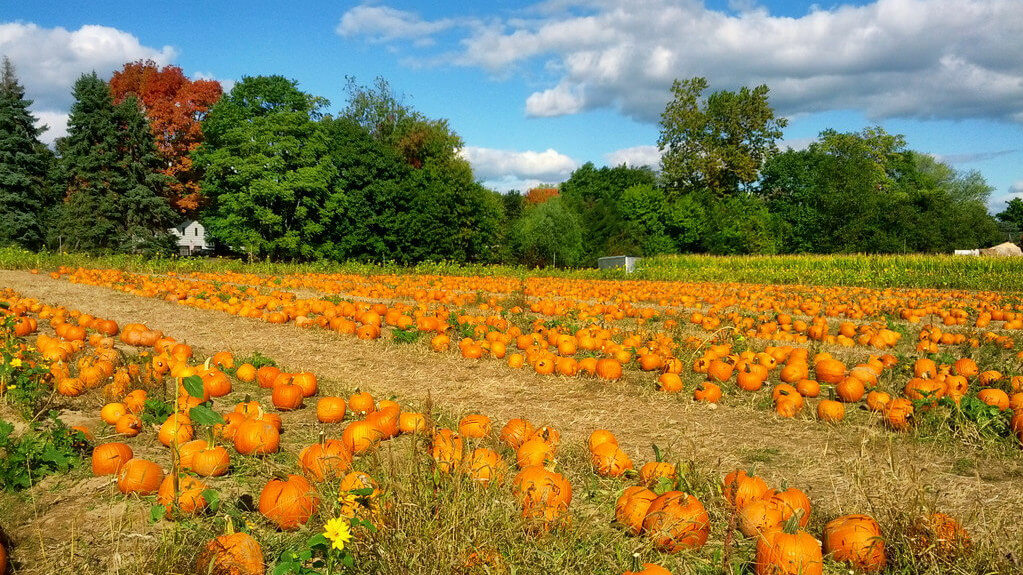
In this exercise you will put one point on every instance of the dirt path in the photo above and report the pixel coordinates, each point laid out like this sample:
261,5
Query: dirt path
851,467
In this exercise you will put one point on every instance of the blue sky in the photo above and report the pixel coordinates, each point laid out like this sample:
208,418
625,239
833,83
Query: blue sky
537,88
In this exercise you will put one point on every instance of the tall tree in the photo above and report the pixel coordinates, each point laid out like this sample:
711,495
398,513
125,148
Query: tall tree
595,195
1012,219
717,143
264,176
549,234
865,192
391,120
175,106
24,164
109,170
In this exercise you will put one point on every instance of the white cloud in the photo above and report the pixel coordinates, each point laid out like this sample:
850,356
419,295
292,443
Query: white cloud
492,165
889,58
225,84
1016,189
636,157
509,183
383,24
795,144
558,101
970,157
49,60
56,123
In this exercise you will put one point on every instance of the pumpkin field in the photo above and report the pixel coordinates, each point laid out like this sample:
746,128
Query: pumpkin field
239,419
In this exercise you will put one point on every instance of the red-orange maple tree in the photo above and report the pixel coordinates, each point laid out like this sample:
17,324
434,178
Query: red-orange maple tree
537,196
175,106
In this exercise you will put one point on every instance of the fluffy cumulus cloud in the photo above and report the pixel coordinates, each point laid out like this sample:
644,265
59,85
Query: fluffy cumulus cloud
1016,189
889,58
636,157
55,123
383,24
493,165
49,60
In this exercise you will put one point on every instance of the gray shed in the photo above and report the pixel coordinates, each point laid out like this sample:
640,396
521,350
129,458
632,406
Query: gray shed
610,262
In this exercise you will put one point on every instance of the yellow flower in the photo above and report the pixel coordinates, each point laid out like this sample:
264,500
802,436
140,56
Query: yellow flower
338,531
16,362
11,387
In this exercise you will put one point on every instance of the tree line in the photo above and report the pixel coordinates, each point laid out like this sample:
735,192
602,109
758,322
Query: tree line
272,174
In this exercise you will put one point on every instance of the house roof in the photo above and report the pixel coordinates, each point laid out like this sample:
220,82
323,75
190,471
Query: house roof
181,227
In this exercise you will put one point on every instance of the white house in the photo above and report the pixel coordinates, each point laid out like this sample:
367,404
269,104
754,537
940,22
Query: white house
191,236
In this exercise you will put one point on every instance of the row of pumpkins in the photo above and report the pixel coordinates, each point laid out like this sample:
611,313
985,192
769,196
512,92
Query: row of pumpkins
949,307
494,337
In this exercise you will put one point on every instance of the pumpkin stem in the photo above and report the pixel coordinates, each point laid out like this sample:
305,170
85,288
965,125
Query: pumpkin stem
635,561
229,525
657,453
791,525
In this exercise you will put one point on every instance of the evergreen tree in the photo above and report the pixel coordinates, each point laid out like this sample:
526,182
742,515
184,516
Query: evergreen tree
108,167
24,164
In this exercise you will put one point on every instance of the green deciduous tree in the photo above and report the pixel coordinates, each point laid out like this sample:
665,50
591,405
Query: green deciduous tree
595,195
717,143
25,194
109,172
865,192
549,234
264,175
1012,219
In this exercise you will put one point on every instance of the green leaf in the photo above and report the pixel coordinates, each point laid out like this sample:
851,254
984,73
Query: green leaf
193,385
212,499
156,513
663,485
318,539
205,416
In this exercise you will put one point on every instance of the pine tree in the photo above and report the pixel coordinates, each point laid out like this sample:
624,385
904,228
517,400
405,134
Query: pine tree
108,167
24,165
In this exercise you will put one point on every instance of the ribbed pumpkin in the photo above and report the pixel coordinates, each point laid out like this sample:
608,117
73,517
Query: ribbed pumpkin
780,553
610,461
474,426
211,461
231,554
516,432
326,460
107,459
288,503
677,521
856,540
190,499
632,506
484,465
256,437
361,436
139,476
331,409
830,371
760,517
